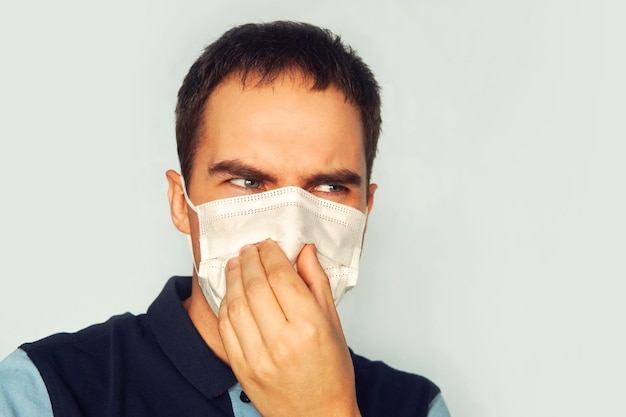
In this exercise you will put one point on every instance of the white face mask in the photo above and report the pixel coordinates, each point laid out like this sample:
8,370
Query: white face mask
290,216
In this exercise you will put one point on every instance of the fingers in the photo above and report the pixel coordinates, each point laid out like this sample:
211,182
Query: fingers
237,326
264,293
291,292
229,338
265,310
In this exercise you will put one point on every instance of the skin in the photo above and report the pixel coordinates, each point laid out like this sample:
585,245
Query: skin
278,329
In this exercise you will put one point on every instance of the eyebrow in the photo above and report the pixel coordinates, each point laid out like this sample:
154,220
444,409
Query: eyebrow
239,169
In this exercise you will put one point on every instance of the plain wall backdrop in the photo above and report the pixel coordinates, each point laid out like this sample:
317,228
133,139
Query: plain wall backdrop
494,261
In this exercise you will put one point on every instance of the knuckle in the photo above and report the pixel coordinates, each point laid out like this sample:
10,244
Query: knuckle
262,372
237,306
281,273
282,352
255,286
309,332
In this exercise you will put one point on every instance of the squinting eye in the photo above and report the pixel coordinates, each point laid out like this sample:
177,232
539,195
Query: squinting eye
330,188
245,183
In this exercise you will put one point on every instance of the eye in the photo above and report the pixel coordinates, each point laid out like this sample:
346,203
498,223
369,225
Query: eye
245,183
330,188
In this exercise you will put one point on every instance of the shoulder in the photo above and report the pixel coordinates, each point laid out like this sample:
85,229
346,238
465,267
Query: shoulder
389,391
78,368
124,327
22,390
380,374
92,349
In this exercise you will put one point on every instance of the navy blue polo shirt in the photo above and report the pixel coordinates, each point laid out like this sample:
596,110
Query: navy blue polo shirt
156,364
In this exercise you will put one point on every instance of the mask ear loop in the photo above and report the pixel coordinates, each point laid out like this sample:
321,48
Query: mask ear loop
193,207
193,258
187,199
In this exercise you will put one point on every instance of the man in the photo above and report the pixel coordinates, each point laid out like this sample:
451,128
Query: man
277,126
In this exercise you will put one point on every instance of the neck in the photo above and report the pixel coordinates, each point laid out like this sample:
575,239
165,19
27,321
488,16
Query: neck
204,320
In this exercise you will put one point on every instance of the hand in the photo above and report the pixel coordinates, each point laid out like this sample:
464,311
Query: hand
282,335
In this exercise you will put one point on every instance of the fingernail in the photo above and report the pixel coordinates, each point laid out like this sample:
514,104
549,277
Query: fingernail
232,263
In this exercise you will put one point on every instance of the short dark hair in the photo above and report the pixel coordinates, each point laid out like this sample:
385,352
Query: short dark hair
267,51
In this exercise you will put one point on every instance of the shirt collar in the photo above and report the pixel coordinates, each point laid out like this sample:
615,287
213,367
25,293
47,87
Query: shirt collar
182,343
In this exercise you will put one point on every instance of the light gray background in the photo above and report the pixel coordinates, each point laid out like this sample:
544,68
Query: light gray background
494,259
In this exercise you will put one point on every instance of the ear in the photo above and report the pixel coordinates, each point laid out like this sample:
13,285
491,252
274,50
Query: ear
178,204
370,197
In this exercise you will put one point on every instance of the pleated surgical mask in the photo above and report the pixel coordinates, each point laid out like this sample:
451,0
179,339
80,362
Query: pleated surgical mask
291,217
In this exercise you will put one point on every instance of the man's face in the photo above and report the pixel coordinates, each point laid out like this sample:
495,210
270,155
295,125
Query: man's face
256,139
259,138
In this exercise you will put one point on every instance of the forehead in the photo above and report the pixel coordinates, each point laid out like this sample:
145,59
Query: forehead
289,87
255,119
